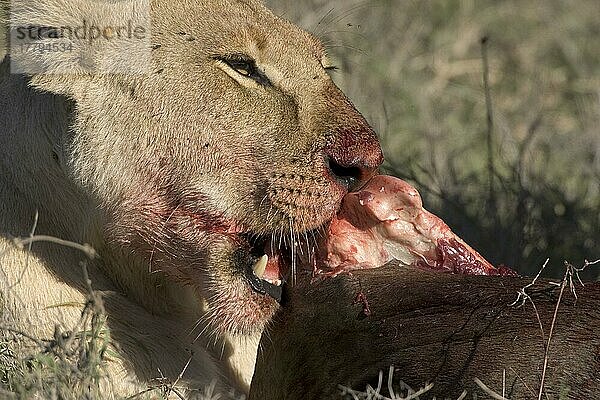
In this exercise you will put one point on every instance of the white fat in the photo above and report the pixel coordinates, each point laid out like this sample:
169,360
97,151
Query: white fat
399,252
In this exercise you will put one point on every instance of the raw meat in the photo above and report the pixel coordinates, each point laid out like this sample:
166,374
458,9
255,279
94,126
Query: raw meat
386,221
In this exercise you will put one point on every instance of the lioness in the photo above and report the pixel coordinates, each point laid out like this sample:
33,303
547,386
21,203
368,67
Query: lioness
189,177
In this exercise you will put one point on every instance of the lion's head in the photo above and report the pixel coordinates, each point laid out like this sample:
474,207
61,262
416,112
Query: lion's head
232,143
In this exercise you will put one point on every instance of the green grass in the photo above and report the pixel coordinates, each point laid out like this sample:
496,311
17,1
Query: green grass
415,70
70,365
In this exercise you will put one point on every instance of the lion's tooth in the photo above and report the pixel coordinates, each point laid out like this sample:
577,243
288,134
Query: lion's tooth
260,266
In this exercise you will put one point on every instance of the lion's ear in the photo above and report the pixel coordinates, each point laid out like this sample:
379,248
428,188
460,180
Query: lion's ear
61,43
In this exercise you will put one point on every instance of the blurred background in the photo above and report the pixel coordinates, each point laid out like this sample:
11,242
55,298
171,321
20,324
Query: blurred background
521,187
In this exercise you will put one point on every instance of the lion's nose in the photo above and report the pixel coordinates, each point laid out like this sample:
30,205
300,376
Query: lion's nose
353,157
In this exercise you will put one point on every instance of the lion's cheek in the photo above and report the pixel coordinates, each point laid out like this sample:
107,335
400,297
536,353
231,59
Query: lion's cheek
168,237
195,249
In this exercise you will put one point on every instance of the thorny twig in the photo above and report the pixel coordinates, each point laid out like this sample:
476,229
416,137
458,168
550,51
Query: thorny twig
567,279
523,296
85,248
571,272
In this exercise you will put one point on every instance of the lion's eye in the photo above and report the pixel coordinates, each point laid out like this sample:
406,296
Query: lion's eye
331,69
243,68
246,67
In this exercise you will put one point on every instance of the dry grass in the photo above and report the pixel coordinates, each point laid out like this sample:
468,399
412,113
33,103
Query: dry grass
70,365
393,391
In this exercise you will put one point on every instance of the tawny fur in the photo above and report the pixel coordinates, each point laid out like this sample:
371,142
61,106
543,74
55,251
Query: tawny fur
150,167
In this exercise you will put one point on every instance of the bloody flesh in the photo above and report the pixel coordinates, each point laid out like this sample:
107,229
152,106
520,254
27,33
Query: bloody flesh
386,221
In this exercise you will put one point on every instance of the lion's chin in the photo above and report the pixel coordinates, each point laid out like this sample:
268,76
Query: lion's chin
239,310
